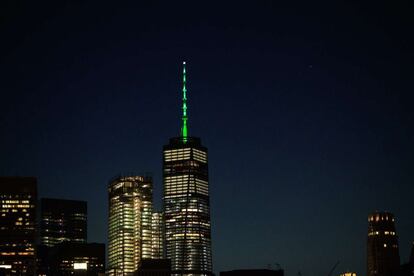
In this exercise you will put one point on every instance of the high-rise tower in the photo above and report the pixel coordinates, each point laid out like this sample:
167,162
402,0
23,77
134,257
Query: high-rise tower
18,199
129,233
157,226
145,189
383,257
186,201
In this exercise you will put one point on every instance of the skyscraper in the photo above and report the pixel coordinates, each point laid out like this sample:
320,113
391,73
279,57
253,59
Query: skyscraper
145,189
62,220
382,245
129,214
18,196
186,201
157,235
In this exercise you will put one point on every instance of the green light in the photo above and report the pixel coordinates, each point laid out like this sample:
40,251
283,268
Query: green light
184,118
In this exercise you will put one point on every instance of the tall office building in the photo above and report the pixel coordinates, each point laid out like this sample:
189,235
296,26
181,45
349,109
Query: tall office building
18,196
62,220
145,189
383,257
128,217
157,235
186,201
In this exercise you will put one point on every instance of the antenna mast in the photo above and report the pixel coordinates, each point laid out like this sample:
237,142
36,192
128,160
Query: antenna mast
184,118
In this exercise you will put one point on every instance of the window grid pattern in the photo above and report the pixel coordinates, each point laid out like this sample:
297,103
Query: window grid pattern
63,221
187,209
124,233
18,200
157,235
145,190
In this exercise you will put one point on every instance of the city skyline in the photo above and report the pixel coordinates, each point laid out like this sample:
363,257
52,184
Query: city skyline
303,113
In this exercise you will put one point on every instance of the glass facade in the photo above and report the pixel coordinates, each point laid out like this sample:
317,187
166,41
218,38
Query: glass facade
157,235
145,190
187,207
18,196
130,214
62,220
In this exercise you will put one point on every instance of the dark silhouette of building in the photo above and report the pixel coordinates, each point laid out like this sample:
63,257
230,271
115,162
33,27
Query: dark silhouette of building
253,272
43,266
383,257
129,229
18,197
77,259
412,254
62,220
407,269
154,267
68,258
186,202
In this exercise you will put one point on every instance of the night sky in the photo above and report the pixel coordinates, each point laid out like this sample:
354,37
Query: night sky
306,109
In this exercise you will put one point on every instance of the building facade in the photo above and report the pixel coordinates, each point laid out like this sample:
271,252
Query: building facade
146,191
154,267
383,257
157,235
348,274
18,197
186,202
77,259
128,218
62,220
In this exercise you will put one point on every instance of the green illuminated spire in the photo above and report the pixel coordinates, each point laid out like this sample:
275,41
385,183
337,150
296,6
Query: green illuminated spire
184,118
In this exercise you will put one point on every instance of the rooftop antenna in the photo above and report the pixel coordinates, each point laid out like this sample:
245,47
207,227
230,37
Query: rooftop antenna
184,118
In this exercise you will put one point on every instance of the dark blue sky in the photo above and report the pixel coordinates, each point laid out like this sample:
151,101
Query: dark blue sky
306,108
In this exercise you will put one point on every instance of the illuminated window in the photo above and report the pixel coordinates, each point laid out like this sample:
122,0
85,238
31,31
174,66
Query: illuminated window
80,266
